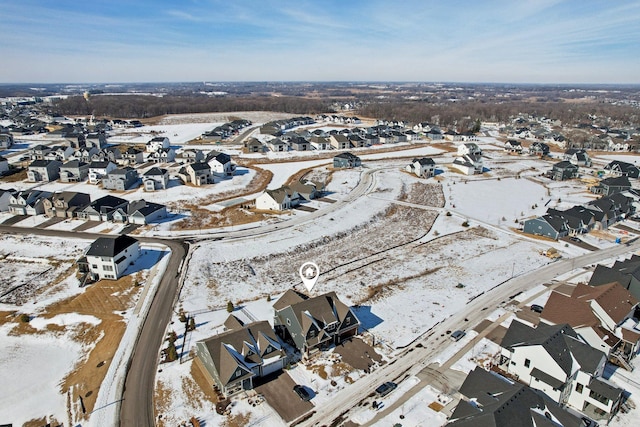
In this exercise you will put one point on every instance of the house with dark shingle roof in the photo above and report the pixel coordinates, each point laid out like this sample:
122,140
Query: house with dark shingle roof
620,168
625,272
155,179
240,355
563,170
549,225
604,316
197,173
490,400
578,157
346,160
555,360
280,199
109,257
313,323
65,204
424,167
612,185
140,212
103,208
44,170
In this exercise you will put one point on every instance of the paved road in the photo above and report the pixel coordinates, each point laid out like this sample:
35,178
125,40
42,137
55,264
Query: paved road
136,407
415,358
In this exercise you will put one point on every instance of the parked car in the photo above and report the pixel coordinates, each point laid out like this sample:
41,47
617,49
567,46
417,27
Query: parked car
575,239
457,335
537,308
302,392
386,388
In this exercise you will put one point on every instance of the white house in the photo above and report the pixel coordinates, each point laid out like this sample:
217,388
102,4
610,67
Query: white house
423,168
109,257
280,199
470,148
555,360
155,179
220,163
157,143
468,164
99,170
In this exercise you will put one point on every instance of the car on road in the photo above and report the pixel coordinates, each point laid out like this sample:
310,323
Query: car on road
457,335
575,239
386,388
302,392
537,308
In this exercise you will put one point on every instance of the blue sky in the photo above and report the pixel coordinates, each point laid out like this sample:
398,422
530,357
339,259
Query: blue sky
536,41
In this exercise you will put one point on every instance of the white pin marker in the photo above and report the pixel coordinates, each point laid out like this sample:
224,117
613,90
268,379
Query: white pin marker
309,273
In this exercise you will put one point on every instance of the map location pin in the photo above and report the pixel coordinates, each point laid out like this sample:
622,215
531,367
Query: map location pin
309,273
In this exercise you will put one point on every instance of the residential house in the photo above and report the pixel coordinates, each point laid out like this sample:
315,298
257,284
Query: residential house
111,154
157,143
513,146
313,323
357,141
191,155
65,204
121,179
155,179
423,168
220,163
490,400
61,153
98,140
28,202
277,145
563,170
612,185
555,360
109,257
605,316
452,135
132,156
4,165
237,357
140,212
38,152
299,143
539,149
553,226
306,190
280,199
339,142
578,157
163,155
468,164
5,199
320,142
74,171
103,208
579,219
371,139
625,272
252,145
469,148
346,160
6,141
434,134
99,170
198,174
43,170
620,168
86,154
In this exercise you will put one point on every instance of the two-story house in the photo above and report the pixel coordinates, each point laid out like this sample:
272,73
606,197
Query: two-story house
99,170
220,163
424,167
120,179
65,204
43,170
313,323
234,359
109,257
155,179
74,171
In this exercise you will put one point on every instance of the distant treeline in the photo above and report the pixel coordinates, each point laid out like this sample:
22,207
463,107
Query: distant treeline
463,114
143,106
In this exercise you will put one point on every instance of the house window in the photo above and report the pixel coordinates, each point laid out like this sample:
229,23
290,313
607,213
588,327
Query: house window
527,362
107,268
95,266
289,322
513,363
579,388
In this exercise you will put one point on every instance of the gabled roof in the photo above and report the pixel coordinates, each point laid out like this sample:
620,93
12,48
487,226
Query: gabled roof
107,202
494,401
319,311
616,181
550,337
109,246
565,164
155,171
615,300
290,297
425,161
199,166
143,207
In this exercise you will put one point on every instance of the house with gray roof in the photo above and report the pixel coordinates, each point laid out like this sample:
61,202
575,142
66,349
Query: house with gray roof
74,171
100,169
43,170
279,199
5,198
557,361
155,179
6,141
121,179
620,168
313,323
65,204
346,160
625,272
424,167
563,170
140,212
553,226
28,202
220,163
612,185
578,157
4,165
103,208
109,257
490,400
197,173
252,145
234,359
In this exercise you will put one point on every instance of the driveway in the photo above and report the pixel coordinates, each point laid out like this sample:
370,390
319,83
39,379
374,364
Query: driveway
358,354
277,390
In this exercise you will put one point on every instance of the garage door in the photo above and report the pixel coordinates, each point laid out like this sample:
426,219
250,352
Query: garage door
272,367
